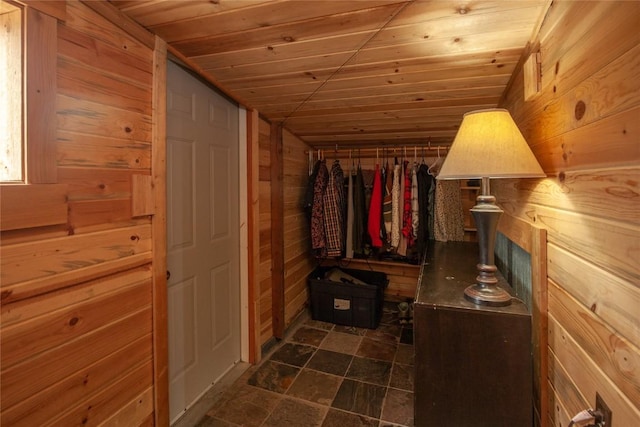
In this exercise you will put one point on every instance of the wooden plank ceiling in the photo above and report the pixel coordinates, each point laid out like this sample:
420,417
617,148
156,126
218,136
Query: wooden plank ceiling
354,73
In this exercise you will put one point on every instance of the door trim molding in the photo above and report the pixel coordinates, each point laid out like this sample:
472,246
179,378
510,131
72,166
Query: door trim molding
159,236
244,209
253,235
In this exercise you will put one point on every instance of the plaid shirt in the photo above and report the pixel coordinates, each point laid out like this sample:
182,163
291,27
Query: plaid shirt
318,242
334,211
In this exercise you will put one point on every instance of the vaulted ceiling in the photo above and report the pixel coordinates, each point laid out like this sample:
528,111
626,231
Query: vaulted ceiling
353,73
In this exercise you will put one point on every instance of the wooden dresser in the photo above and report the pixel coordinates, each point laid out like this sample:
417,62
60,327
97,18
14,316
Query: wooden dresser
473,363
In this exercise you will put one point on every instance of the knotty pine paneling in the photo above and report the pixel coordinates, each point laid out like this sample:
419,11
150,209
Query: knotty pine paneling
264,202
589,192
83,116
614,300
610,245
96,183
565,46
612,141
612,353
136,412
362,21
41,334
76,331
151,14
599,92
39,58
36,267
129,51
28,309
297,255
278,56
583,126
75,44
120,394
51,334
30,376
31,206
55,8
379,72
94,151
246,18
44,405
80,81
586,377
273,95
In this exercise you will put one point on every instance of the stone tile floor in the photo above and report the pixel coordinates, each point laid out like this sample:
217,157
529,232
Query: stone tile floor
326,375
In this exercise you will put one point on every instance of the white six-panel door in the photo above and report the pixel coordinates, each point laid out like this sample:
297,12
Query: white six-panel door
202,237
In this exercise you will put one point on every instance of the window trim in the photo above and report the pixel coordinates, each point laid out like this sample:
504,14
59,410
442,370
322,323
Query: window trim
40,88
40,195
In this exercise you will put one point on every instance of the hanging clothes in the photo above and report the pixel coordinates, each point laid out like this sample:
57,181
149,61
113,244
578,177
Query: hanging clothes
359,211
309,193
407,223
382,228
387,202
424,185
373,224
415,203
334,210
402,245
318,242
350,213
396,206
449,219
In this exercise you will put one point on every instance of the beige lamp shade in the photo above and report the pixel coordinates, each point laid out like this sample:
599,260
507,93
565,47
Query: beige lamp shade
489,144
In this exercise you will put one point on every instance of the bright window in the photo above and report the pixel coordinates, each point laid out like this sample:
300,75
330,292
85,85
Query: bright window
11,153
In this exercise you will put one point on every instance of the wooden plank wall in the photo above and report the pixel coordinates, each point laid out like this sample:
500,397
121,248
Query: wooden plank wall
298,262
264,202
584,127
76,325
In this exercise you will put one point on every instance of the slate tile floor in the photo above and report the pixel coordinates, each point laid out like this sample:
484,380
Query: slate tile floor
327,375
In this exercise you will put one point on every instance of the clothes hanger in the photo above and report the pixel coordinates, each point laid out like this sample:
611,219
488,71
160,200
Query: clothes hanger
434,163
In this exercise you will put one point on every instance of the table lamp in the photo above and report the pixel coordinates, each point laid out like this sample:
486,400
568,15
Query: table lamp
488,145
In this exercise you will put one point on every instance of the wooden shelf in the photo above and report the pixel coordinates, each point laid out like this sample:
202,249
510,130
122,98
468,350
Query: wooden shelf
468,196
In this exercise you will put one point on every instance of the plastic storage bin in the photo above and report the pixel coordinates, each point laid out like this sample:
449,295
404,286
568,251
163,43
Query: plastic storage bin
345,303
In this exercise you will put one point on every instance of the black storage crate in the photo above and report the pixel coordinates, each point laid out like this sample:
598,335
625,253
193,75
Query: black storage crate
358,305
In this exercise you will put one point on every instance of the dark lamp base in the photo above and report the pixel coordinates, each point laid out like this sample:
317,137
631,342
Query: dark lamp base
487,295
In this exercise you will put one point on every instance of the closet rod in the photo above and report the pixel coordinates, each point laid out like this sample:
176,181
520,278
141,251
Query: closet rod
381,151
